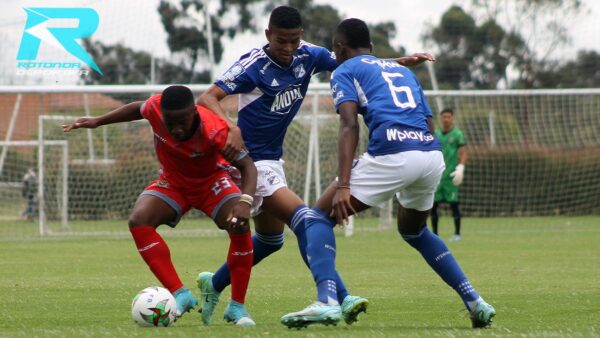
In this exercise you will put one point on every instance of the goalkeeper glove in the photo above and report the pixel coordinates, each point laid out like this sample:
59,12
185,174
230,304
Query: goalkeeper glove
458,174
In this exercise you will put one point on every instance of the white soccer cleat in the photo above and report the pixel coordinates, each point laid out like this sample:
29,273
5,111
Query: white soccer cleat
316,313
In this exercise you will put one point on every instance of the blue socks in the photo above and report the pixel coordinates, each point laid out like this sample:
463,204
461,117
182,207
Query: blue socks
437,255
298,225
264,245
321,254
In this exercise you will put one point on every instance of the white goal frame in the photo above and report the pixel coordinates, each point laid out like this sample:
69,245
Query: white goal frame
314,119
64,191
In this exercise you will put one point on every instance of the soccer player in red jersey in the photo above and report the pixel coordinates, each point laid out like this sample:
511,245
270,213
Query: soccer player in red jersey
188,141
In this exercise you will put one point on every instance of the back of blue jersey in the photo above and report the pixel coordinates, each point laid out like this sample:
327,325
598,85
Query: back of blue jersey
271,94
391,101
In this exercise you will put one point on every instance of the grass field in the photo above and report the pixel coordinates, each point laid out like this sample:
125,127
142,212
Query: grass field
541,274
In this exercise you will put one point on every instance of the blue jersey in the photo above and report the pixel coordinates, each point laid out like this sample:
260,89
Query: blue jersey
271,94
391,101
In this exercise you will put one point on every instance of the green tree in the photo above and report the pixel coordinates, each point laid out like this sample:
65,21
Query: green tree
454,41
123,65
472,55
185,26
583,72
538,28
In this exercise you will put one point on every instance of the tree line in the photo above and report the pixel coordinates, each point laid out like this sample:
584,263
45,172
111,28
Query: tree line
493,44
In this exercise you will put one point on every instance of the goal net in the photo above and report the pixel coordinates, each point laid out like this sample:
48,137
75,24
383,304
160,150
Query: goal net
531,152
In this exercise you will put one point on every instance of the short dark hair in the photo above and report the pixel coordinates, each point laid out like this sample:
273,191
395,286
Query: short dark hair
355,32
285,17
176,97
447,110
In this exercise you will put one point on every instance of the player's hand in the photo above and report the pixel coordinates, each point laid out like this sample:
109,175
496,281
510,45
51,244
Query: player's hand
341,207
458,174
82,122
415,59
233,145
238,219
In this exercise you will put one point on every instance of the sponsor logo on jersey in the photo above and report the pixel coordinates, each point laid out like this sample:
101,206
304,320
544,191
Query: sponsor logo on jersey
401,135
195,154
381,63
285,99
299,71
274,83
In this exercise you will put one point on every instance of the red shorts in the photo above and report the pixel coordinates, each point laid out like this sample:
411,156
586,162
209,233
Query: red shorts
207,196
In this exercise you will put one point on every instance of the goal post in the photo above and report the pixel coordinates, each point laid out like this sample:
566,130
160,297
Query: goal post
62,185
531,152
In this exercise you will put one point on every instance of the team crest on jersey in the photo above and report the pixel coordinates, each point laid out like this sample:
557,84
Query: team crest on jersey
299,71
451,139
285,99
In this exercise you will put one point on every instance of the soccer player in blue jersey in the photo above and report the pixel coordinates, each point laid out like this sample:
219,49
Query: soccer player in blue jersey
403,158
273,81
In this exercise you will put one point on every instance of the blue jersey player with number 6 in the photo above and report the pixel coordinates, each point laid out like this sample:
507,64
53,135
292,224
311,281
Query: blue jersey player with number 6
272,82
403,158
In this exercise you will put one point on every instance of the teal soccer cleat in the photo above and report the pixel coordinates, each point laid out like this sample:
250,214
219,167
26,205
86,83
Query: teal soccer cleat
482,315
236,313
210,297
316,313
352,306
185,301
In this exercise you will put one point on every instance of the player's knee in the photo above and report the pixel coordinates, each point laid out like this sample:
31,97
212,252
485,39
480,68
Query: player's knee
134,221
137,219
410,228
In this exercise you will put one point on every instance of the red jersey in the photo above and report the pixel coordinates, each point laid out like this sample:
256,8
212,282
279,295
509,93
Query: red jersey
192,161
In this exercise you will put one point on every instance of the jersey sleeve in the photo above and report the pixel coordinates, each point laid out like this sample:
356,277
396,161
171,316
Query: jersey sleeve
149,108
325,60
216,128
240,77
342,87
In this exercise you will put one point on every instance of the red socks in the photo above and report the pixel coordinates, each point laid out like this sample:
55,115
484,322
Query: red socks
156,254
239,261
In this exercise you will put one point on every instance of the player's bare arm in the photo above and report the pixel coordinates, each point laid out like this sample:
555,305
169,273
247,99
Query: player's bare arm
210,99
347,143
128,112
240,213
415,59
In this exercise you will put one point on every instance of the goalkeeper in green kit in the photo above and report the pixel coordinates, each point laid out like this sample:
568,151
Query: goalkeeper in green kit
455,157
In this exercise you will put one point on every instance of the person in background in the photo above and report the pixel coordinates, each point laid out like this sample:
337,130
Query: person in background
455,157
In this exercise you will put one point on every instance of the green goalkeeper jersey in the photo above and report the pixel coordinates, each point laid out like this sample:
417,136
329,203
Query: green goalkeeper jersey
451,141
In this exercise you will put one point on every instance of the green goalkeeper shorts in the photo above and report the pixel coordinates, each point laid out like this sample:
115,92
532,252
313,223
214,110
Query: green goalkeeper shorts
446,192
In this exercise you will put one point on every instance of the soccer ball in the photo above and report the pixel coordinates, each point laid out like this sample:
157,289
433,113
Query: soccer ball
154,306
